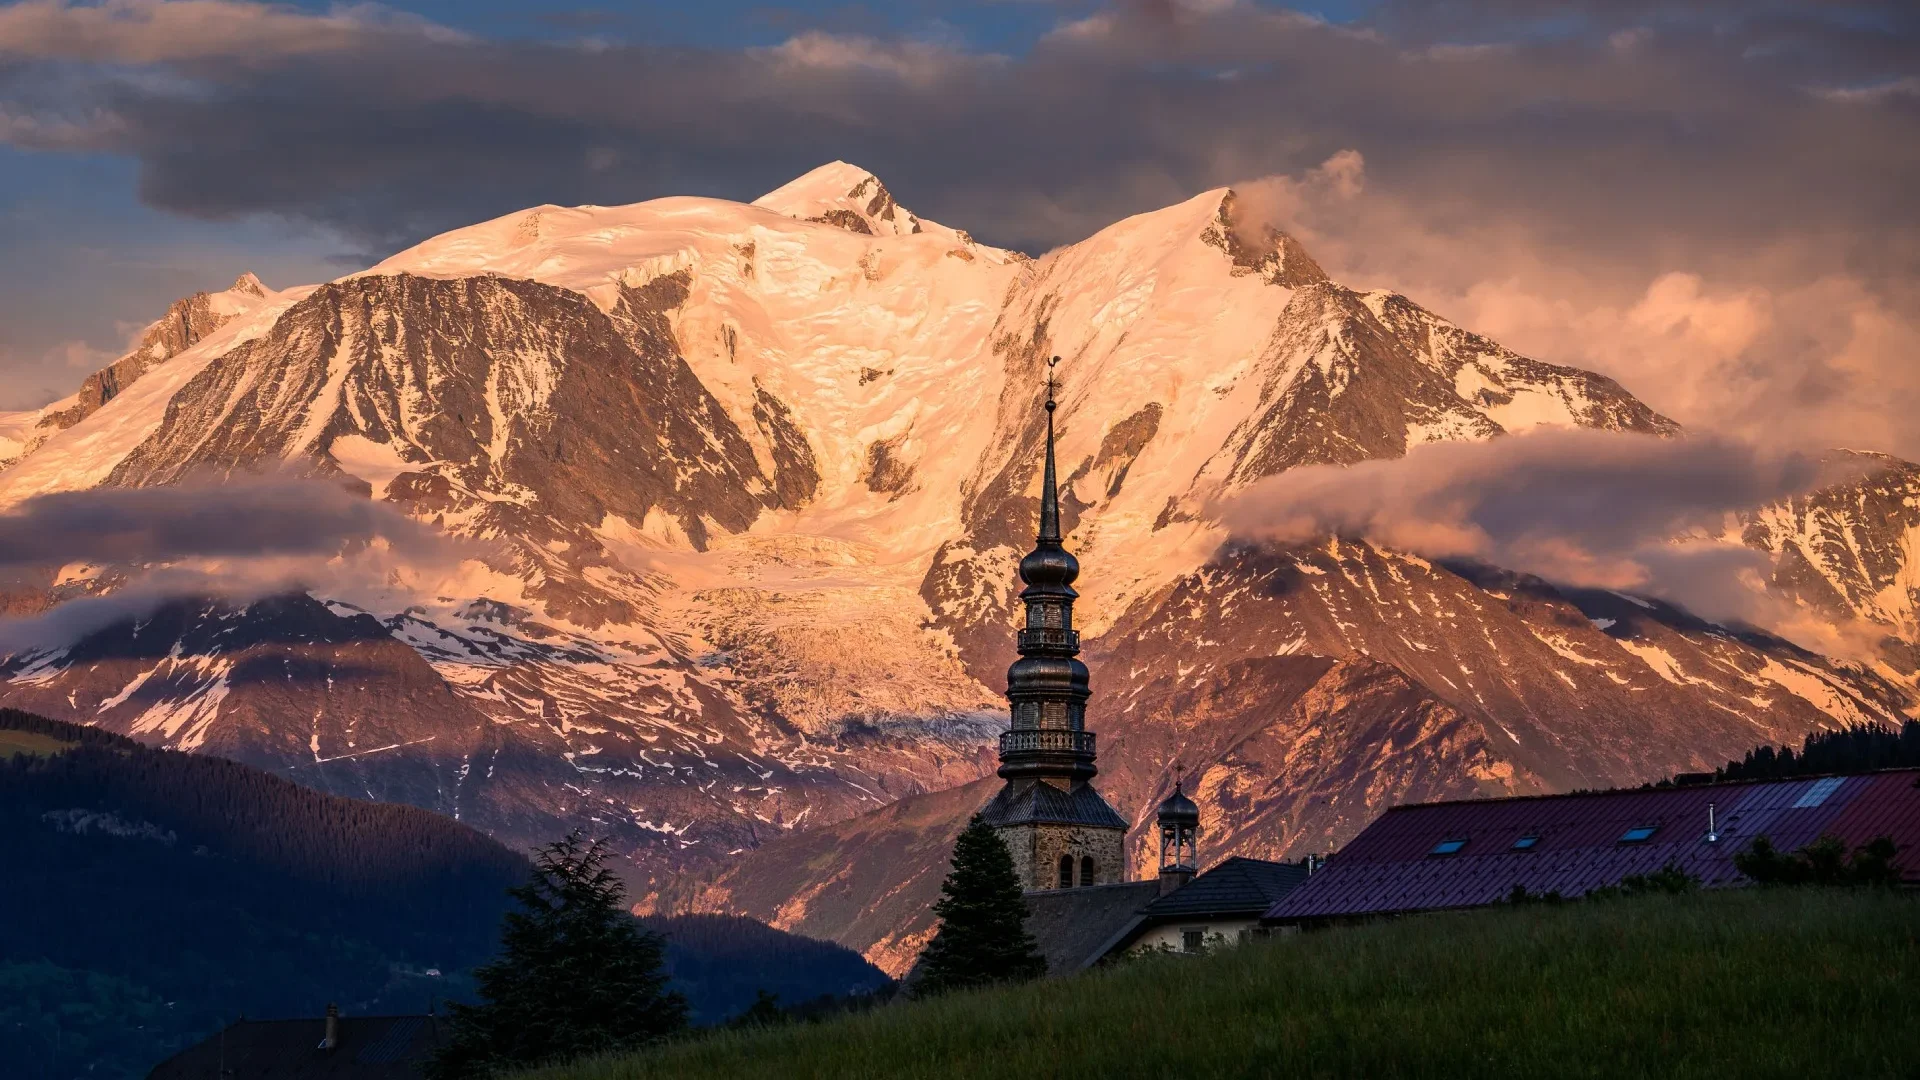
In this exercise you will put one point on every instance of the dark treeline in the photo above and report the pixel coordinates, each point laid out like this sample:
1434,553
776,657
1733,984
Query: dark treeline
1856,749
151,896
724,962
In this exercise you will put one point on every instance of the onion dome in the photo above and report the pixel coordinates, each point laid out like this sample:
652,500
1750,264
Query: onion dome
1177,809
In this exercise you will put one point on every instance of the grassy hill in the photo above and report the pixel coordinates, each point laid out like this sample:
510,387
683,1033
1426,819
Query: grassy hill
1751,983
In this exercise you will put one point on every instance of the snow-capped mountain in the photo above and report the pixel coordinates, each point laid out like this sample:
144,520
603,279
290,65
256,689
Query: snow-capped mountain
747,484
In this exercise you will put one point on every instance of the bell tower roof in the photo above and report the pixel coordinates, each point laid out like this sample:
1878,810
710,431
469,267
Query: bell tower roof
1049,567
1177,809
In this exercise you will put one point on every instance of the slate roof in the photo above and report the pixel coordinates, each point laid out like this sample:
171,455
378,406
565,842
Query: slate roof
1023,801
1579,845
1236,886
1073,926
370,1048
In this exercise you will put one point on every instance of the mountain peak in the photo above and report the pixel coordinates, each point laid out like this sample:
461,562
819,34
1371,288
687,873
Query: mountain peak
1259,248
249,284
845,195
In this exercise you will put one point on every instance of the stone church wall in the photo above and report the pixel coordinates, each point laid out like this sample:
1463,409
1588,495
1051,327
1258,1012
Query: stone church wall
1037,849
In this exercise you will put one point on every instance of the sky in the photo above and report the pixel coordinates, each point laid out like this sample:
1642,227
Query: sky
1712,202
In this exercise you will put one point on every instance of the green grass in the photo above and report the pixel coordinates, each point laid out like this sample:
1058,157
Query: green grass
1748,983
14,741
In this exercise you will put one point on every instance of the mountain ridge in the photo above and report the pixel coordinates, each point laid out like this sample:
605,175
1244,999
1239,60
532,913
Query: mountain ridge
748,484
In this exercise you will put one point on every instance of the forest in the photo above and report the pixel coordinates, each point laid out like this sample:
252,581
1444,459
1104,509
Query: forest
154,896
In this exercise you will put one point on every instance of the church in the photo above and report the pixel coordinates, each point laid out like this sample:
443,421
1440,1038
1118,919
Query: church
1068,844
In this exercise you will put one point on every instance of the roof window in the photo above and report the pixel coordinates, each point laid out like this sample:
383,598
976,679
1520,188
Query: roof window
1525,843
1448,847
1639,834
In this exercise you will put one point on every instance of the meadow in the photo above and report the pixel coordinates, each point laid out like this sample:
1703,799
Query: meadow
1749,983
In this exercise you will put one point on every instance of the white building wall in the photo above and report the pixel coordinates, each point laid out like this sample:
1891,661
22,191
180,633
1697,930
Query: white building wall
1172,935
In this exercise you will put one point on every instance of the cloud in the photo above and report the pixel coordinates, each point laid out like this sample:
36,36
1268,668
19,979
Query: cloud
235,542
160,31
264,517
1777,342
1581,508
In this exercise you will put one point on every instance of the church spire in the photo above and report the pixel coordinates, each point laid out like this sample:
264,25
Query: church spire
1049,490
1059,829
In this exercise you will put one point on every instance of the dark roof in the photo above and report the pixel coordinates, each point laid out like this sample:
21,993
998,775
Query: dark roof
1177,808
1235,886
1023,801
371,1048
1073,926
1391,866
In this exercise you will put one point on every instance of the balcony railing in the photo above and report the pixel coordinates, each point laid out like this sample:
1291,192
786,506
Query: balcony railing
1046,739
1047,637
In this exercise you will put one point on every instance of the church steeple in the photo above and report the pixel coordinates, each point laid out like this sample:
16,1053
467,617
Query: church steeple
1049,490
1061,831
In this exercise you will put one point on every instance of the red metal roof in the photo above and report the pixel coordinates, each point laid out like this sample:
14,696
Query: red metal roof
1391,868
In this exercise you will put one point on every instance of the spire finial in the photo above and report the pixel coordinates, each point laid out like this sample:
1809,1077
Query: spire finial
1049,492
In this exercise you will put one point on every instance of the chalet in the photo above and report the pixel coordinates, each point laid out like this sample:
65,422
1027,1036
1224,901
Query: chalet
1443,855
333,1047
1179,911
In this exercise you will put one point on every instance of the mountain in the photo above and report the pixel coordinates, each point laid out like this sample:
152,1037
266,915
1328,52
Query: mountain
187,322
744,487
154,896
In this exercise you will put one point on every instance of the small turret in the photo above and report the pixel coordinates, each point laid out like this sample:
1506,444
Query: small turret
1179,821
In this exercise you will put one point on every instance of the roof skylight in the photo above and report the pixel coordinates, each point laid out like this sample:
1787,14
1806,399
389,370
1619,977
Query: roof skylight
1525,843
1639,834
1448,847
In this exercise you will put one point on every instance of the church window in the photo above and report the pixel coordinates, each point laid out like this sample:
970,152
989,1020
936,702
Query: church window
1026,714
1066,871
1050,617
1054,714
1086,870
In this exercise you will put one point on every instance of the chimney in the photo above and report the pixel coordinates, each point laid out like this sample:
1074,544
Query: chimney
1172,877
332,1038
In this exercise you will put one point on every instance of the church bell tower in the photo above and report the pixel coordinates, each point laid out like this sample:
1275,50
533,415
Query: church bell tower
1061,832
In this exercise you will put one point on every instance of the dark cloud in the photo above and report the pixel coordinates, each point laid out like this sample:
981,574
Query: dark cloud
387,128
1583,508
266,518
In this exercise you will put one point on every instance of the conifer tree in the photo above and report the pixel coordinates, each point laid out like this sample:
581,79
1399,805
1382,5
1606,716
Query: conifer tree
576,974
983,937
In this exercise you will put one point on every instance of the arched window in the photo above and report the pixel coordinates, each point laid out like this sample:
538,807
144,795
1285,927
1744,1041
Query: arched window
1086,870
1066,871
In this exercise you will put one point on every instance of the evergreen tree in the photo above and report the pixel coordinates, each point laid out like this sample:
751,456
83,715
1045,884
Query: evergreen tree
983,937
576,974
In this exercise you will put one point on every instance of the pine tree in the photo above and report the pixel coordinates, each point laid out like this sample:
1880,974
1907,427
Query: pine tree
576,974
983,937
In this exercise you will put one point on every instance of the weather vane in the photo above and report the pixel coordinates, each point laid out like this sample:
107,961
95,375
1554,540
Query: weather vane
1050,365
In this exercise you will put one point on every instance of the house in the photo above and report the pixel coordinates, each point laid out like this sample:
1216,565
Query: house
1178,910
333,1047
1442,855
1222,906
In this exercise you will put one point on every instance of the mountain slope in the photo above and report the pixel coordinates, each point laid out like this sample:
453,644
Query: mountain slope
740,490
